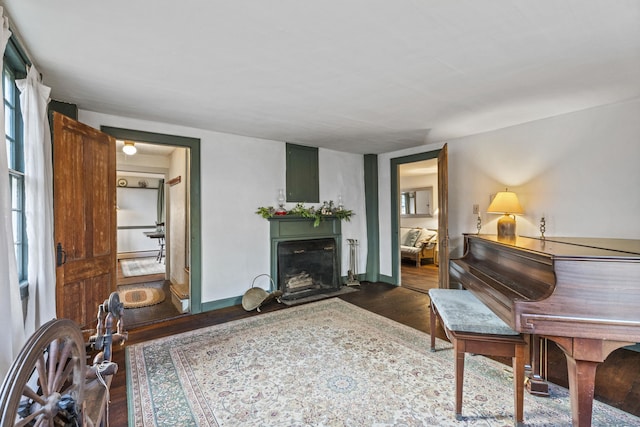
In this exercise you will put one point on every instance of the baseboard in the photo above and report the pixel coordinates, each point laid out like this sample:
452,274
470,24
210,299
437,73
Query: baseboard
386,279
222,303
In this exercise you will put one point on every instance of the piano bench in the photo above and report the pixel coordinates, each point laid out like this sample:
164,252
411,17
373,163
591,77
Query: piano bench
473,328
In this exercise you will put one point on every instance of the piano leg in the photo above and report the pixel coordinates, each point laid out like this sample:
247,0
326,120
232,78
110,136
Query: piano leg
518,385
582,378
583,356
536,382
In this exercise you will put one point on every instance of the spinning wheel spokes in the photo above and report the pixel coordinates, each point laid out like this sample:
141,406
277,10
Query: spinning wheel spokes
47,378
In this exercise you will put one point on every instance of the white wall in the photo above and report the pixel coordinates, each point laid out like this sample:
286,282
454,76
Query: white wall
239,174
136,207
580,170
133,240
343,174
141,163
176,216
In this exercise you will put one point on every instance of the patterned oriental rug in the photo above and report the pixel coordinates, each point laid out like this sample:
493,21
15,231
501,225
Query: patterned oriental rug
326,363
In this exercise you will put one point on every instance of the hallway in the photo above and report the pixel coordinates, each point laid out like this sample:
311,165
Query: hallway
135,317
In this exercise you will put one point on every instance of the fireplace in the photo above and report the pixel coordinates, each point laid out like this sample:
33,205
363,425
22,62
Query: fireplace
305,260
307,267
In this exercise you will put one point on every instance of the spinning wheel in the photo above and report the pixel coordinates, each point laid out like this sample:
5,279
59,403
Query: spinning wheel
49,384
45,385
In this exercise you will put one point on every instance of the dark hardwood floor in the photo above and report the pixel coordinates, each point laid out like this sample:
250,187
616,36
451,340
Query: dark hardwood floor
136,317
617,382
420,278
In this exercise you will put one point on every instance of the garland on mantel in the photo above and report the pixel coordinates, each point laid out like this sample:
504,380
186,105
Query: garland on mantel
326,210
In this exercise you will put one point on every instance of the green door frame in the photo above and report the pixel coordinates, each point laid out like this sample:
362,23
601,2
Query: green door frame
395,207
195,268
372,269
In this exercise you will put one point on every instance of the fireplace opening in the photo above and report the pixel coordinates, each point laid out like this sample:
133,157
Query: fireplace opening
307,267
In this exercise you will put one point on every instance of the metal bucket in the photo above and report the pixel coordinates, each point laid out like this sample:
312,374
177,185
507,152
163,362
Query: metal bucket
256,297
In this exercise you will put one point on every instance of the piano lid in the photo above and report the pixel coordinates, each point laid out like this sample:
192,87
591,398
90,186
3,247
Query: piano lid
572,247
619,245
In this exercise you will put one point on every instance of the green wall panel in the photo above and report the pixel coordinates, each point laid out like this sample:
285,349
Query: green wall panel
303,178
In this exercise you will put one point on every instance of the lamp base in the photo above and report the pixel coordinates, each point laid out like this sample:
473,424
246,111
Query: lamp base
507,227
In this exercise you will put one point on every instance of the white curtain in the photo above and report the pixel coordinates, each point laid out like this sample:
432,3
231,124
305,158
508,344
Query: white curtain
38,172
13,336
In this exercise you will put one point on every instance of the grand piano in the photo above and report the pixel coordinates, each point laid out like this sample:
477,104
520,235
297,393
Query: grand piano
581,293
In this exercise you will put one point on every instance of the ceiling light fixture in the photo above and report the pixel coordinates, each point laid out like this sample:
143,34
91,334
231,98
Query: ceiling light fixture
129,148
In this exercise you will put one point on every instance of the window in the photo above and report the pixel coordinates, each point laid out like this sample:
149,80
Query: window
15,155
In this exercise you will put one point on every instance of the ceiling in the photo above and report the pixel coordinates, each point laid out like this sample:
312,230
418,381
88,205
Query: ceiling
419,168
361,76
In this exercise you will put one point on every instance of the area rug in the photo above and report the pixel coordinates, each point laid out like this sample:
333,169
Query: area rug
141,267
327,363
140,296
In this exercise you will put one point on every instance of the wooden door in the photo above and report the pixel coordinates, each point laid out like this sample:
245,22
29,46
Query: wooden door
443,218
84,166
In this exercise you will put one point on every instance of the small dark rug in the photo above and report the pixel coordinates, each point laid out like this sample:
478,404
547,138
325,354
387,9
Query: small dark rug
141,296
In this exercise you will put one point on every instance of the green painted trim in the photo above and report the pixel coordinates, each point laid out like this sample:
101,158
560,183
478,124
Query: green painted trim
395,207
195,272
16,58
302,174
221,303
151,137
69,110
372,217
387,279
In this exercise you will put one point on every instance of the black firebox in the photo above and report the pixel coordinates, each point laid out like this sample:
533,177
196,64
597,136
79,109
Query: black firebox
307,267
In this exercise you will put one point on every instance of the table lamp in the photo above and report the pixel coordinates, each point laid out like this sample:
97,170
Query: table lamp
506,202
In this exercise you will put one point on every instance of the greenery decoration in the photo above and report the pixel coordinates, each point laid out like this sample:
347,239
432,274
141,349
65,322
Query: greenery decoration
300,210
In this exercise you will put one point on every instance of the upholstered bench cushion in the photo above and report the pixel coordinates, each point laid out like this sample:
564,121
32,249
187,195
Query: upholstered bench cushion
410,249
462,311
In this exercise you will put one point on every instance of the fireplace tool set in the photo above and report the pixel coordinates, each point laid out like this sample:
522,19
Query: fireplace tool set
352,274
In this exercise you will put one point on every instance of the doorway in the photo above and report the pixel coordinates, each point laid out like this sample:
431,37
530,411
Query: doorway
440,190
153,230
418,201
180,252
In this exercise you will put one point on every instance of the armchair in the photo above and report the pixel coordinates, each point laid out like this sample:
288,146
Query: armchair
418,244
